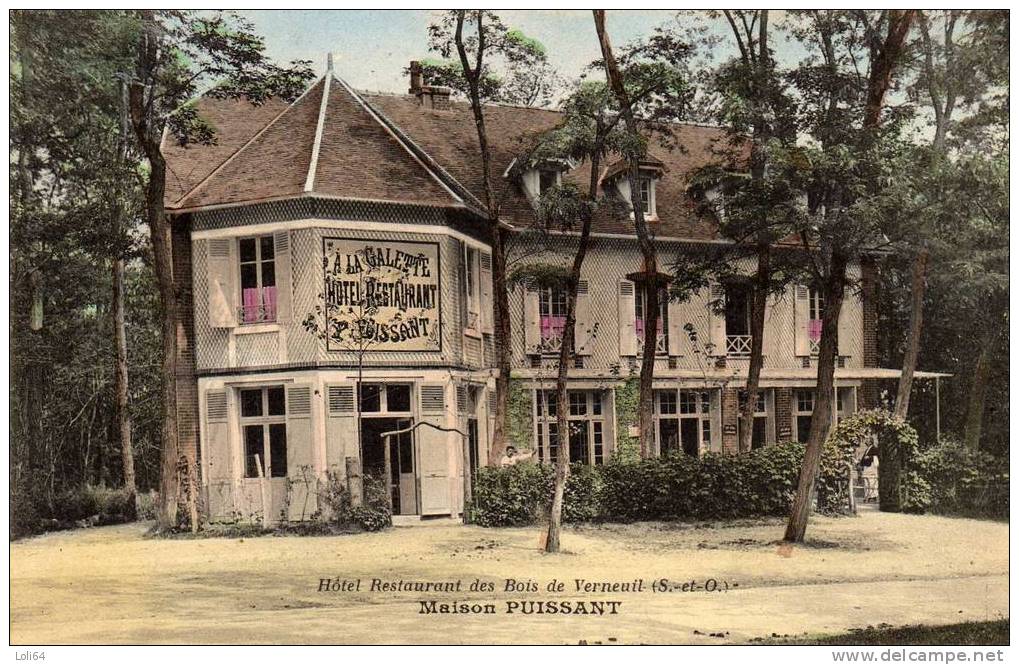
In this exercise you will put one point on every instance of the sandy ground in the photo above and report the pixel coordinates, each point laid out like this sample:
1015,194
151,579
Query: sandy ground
114,585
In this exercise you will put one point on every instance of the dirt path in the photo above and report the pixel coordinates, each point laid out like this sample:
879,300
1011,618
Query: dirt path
113,585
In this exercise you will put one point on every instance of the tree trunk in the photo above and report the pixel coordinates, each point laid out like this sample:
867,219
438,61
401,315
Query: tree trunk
162,255
120,387
978,390
820,421
919,288
566,351
757,317
645,406
503,347
499,286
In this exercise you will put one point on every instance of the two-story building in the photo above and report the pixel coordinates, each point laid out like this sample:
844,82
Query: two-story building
335,273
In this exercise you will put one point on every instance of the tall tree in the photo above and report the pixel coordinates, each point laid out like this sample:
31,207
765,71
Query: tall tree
650,85
586,133
177,53
479,39
845,189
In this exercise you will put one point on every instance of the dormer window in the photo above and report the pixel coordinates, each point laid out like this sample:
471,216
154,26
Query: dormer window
547,179
647,191
649,173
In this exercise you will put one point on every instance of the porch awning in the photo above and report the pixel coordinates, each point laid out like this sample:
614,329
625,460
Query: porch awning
695,377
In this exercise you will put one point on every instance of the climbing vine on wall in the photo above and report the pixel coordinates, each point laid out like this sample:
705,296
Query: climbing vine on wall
521,423
627,398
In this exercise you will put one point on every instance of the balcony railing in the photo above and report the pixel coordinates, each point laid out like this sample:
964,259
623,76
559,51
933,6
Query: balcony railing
661,342
257,314
551,334
737,345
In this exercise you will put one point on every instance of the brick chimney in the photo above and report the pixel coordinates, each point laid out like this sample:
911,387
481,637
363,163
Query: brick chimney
434,97
417,77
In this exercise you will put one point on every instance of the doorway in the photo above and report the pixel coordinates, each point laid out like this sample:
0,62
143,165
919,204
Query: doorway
402,483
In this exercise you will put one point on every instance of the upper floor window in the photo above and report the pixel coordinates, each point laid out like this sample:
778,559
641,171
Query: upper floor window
816,315
647,194
552,310
640,307
472,288
264,428
547,179
738,314
258,279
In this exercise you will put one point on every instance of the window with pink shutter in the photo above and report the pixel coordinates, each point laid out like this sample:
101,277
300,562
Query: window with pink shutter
552,308
816,315
258,279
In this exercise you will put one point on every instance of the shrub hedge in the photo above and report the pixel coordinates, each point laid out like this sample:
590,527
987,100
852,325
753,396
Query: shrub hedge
676,487
949,478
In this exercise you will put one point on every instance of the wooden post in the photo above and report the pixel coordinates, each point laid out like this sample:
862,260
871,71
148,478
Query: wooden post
388,473
354,487
263,487
468,493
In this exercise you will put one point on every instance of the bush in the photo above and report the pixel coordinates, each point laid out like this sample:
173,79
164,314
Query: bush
958,480
675,487
373,515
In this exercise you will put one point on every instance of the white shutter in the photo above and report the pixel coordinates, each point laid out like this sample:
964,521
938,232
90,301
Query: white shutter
627,318
801,316
433,449
676,332
284,279
772,336
217,435
849,303
341,427
487,301
716,313
300,458
222,268
532,320
583,331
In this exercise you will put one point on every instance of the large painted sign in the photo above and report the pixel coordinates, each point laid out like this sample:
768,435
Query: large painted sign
381,296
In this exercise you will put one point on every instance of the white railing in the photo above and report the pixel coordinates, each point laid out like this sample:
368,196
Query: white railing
550,345
737,345
815,347
661,344
256,314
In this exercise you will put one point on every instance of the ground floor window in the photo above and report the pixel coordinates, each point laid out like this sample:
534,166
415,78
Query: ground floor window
264,430
587,426
759,438
803,409
682,421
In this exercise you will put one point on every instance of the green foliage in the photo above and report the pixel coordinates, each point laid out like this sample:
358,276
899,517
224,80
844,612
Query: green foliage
627,403
521,416
949,478
372,515
897,447
676,487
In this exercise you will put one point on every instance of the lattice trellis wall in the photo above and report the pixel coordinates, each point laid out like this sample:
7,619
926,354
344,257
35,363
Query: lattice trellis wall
609,260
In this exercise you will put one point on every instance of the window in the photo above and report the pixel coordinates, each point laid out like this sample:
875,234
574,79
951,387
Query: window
803,409
683,421
385,398
587,433
738,312
264,429
472,288
759,438
258,279
816,315
640,306
645,194
552,312
547,179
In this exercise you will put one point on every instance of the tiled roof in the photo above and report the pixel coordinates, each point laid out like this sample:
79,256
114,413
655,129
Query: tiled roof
390,147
